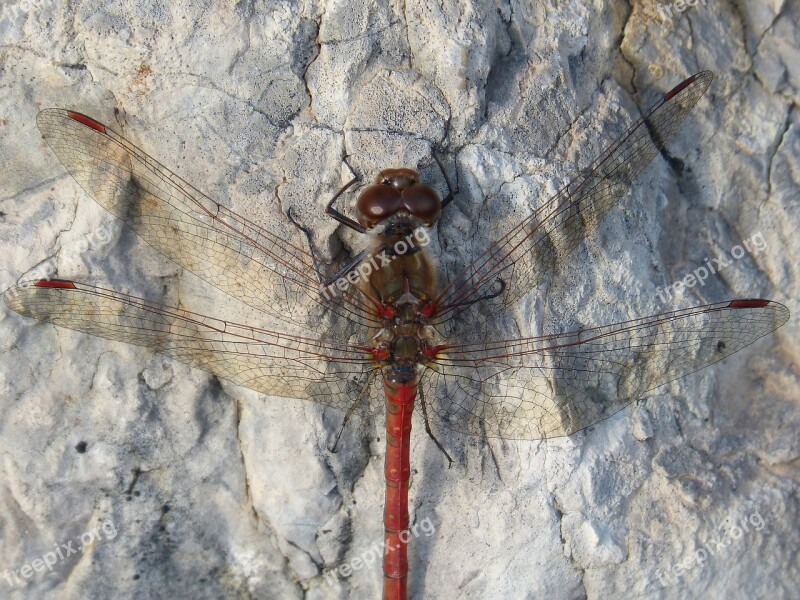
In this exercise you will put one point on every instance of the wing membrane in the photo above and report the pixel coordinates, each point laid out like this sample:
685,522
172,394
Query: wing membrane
515,263
266,361
551,386
263,266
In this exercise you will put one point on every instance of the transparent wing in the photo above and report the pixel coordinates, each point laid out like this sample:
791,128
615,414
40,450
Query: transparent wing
515,263
263,266
266,361
551,386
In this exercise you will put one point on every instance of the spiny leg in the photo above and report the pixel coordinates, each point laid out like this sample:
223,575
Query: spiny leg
349,266
428,428
307,233
352,408
326,283
332,212
487,296
450,191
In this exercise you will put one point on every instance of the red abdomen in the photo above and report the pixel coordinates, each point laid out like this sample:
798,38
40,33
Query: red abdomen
400,396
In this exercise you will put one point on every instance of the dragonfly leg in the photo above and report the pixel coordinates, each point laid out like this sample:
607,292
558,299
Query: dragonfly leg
349,266
307,233
332,212
326,281
487,296
428,428
352,408
450,191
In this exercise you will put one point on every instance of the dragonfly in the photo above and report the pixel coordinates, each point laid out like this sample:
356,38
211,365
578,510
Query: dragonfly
387,319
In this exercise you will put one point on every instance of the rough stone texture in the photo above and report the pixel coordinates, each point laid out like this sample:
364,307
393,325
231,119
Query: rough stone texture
213,491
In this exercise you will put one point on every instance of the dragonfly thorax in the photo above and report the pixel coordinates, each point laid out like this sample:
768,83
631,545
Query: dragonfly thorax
403,285
404,343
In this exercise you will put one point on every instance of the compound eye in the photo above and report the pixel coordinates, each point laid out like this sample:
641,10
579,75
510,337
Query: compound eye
423,202
376,202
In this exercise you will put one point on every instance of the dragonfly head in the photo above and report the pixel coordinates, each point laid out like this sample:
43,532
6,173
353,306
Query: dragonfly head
396,191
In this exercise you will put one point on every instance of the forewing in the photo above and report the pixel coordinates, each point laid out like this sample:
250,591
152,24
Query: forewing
266,361
516,262
551,386
266,267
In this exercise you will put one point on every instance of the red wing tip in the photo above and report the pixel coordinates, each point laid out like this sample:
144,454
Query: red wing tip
679,88
749,303
55,283
88,121
686,83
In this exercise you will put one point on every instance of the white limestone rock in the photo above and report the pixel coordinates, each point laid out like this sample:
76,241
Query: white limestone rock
188,488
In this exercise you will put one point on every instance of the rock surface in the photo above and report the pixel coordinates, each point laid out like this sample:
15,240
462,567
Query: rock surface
183,487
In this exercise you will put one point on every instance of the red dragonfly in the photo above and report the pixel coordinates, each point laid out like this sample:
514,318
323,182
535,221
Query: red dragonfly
381,318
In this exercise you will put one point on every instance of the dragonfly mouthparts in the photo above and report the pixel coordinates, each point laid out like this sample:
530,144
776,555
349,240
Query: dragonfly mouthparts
401,223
